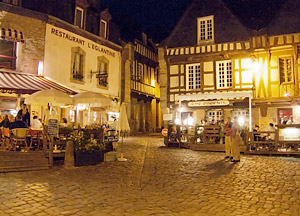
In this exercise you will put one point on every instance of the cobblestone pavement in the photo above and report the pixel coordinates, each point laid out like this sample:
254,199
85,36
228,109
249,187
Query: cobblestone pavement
158,181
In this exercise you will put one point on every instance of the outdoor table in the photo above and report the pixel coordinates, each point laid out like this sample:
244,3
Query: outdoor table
35,133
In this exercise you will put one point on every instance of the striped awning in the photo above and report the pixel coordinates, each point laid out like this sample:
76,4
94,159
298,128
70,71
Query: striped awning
27,84
11,35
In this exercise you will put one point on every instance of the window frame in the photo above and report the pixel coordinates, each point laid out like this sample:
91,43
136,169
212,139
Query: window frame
13,58
194,81
140,73
286,81
82,17
218,114
206,39
102,59
105,29
74,52
227,84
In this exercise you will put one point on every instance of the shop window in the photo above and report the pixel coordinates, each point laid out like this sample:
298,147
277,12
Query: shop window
8,54
224,74
193,76
79,17
102,76
103,29
285,70
205,29
78,61
214,115
284,112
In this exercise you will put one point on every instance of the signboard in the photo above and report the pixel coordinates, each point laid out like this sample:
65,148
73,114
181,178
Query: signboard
167,117
208,103
164,132
53,127
289,134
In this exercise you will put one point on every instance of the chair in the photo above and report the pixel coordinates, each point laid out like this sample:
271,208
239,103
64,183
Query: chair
5,135
19,136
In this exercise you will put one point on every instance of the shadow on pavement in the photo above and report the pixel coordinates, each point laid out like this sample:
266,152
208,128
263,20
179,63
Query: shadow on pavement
220,167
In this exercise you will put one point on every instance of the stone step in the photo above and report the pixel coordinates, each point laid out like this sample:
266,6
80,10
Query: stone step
11,161
16,155
24,162
22,169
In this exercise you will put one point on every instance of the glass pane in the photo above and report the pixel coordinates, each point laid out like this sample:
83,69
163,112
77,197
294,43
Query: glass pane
281,70
78,19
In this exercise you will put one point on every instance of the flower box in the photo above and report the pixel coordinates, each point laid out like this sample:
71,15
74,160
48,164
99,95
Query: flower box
88,158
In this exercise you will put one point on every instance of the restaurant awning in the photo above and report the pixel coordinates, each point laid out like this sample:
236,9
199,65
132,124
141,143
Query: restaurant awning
19,83
11,35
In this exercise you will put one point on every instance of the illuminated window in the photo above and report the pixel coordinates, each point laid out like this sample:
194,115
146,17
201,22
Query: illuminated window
78,61
224,74
240,112
193,76
285,70
72,116
79,15
214,114
205,29
8,54
103,28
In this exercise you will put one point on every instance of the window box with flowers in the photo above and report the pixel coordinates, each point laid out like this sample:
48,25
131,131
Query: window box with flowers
88,151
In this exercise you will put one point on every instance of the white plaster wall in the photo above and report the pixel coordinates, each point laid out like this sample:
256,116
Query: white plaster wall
57,63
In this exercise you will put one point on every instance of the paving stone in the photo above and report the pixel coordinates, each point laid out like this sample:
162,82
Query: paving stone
158,181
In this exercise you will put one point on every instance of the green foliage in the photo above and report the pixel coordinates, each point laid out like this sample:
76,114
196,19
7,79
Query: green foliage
84,143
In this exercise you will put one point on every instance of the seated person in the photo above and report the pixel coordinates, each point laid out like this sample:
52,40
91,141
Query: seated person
36,124
256,135
271,136
19,123
5,122
63,122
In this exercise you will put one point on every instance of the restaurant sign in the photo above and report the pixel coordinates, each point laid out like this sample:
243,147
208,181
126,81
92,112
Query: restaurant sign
208,103
289,134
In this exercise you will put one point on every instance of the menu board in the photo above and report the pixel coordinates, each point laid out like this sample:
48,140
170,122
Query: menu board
53,127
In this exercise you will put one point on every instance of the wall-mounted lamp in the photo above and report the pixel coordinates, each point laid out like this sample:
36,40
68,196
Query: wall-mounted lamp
40,68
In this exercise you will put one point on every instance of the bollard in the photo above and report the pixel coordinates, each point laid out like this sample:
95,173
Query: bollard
69,155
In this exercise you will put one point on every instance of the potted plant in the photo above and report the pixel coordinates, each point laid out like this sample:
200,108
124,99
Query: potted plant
88,151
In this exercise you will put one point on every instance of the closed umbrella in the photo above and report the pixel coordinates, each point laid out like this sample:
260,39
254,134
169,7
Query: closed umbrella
49,96
123,125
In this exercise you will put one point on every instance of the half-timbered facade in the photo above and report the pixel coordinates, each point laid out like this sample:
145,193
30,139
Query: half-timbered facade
140,86
212,66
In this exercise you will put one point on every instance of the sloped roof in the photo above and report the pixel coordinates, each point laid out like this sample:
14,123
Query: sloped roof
287,20
227,27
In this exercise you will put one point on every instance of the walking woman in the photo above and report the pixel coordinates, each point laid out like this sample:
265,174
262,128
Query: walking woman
235,141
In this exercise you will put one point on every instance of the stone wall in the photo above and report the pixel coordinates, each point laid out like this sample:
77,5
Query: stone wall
32,51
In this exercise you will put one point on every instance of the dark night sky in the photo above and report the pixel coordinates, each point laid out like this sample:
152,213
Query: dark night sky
158,17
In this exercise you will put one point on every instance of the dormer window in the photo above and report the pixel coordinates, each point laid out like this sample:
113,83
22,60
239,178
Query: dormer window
103,28
79,15
105,17
205,26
